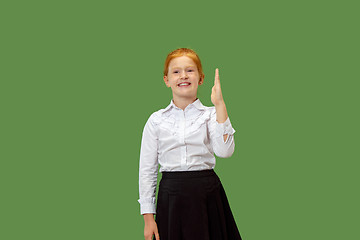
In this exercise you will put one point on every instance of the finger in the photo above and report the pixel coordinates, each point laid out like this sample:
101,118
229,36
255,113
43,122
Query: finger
217,78
157,236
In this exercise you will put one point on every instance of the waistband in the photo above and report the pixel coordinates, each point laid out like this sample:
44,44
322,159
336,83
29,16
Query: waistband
188,174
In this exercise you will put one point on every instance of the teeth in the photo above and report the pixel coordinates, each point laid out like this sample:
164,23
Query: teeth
183,84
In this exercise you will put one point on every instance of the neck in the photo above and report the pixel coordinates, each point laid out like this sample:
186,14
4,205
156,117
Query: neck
183,102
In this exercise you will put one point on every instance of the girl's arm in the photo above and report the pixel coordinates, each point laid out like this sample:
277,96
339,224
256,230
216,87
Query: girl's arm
221,131
221,115
148,168
218,101
221,136
148,171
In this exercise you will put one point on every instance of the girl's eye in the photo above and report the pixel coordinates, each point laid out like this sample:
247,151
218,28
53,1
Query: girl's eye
190,70
176,71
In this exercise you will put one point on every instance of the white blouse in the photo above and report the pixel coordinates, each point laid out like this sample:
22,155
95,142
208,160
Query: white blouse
180,140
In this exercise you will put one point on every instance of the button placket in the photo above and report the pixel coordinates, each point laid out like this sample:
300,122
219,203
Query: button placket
182,139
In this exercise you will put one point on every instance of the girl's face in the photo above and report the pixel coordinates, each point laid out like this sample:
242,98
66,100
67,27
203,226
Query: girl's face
183,77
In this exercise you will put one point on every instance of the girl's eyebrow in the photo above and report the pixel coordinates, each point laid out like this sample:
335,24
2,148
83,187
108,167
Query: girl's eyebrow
185,67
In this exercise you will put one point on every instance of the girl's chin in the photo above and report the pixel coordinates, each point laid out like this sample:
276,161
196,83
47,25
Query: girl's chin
188,95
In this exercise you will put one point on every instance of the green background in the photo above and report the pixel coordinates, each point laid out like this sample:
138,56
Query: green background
80,78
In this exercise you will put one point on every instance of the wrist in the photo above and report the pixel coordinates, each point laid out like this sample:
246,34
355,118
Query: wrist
221,113
220,104
148,217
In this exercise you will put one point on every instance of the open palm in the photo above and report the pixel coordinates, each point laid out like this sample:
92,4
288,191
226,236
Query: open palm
216,95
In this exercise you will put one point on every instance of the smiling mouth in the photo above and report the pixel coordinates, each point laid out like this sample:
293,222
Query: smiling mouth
184,84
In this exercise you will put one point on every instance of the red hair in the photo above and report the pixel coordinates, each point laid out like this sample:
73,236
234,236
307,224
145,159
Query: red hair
184,52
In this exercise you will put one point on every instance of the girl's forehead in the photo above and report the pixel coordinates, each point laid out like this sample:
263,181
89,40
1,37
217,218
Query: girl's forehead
181,62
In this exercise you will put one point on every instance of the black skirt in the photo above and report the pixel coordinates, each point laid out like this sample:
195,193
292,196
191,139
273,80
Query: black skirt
192,205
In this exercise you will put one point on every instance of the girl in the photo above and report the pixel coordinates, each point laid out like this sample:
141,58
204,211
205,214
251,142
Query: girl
182,138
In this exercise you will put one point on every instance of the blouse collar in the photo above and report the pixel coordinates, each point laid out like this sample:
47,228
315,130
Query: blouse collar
197,103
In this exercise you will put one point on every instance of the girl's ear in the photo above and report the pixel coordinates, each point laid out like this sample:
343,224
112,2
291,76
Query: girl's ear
166,81
201,81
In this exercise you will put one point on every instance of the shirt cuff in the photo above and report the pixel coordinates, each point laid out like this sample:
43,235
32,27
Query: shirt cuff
147,206
224,128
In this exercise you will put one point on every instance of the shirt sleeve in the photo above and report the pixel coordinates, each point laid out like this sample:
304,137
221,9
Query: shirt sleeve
148,168
217,131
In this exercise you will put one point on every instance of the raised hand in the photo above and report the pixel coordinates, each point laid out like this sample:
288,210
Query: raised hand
216,95
218,101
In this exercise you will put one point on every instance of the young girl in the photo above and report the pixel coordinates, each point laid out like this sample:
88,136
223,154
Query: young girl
182,138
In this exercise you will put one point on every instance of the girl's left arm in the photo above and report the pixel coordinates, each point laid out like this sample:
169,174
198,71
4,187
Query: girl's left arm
218,101
222,137
221,116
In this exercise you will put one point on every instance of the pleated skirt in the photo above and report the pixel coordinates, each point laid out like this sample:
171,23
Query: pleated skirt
192,205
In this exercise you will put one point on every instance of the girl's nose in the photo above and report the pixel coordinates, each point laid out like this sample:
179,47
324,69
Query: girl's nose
184,75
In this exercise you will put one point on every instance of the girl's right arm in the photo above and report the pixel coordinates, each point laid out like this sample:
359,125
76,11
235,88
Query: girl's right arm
148,167
148,171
